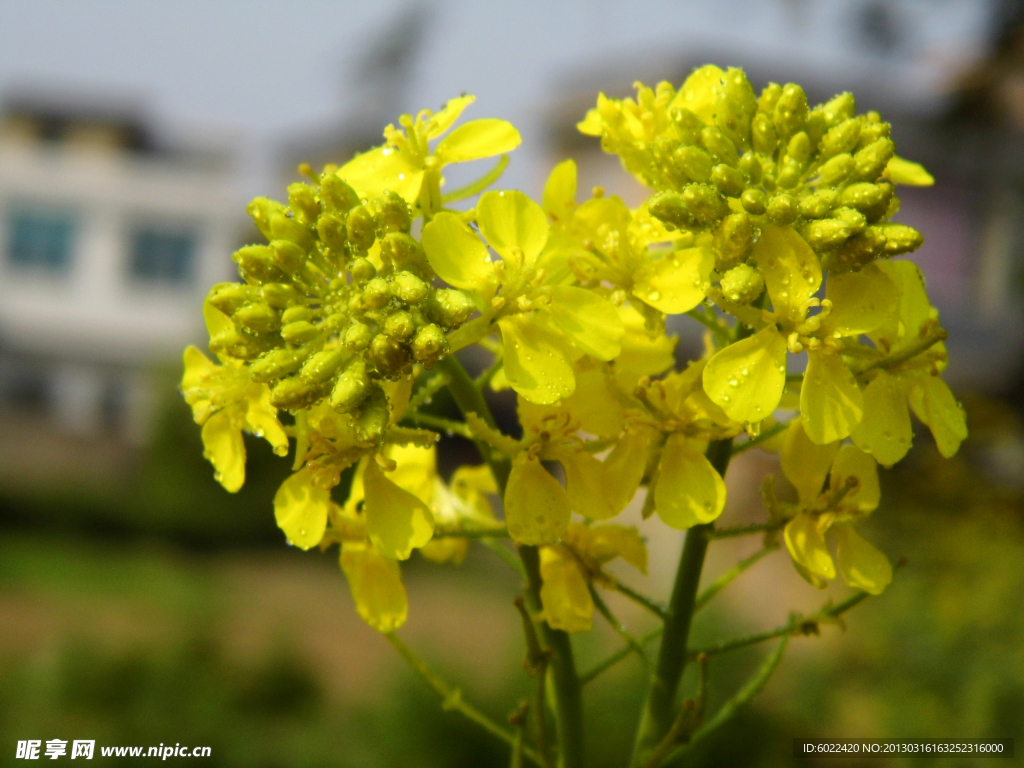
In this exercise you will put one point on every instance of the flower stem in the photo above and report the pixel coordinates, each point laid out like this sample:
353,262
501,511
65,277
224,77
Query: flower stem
658,712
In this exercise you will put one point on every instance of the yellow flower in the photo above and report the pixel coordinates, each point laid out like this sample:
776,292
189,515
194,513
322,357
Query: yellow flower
544,326
852,494
225,402
747,378
569,568
406,165
885,430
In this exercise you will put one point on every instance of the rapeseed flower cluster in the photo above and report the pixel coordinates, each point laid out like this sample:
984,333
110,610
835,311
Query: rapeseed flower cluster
769,221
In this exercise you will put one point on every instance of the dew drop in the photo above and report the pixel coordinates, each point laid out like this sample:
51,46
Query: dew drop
654,296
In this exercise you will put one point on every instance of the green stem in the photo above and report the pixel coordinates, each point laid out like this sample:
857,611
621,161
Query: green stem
765,435
727,578
744,530
452,697
658,714
438,422
565,682
620,629
619,655
652,606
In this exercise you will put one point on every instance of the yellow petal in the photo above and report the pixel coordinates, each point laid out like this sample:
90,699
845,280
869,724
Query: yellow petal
591,321
261,418
560,192
746,379
790,268
376,585
689,490
861,302
217,323
513,225
936,406
806,544
449,550
592,124
831,403
457,255
900,171
641,355
197,367
383,168
478,139
416,470
584,485
884,431
860,563
300,509
224,448
443,120
606,542
564,593
699,93
537,509
853,462
914,308
675,283
396,520
804,463
536,364
624,468
593,405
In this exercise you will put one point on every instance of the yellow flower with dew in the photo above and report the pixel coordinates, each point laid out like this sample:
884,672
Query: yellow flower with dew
851,495
225,402
407,165
568,569
544,326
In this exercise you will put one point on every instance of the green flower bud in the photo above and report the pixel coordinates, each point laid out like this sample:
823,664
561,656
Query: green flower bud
838,108
374,415
790,113
694,162
873,129
399,326
295,394
404,253
228,297
302,201
261,209
337,196
323,365
387,356
742,284
856,252
295,313
870,199
841,138
899,238
851,216
453,307
750,164
429,345
357,336
351,387
257,317
729,181
790,171
825,234
284,228
869,162
333,231
754,201
409,288
687,125
703,203
799,148
362,228
242,344
733,240
287,255
376,293
762,133
299,332
836,170
739,105
719,145
280,295
782,209
362,269
818,205
769,98
393,214
256,264
276,364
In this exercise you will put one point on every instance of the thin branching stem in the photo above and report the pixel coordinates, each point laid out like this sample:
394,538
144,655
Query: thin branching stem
618,626
727,578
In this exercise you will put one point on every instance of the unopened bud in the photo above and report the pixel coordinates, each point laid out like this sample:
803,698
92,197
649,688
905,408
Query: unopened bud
404,253
284,228
276,364
729,181
733,240
430,344
257,317
841,138
694,162
454,307
256,263
719,145
393,214
782,209
333,231
899,238
336,195
302,201
790,114
387,356
742,284
869,162
351,387
399,326
287,255
754,201
762,134
409,288
362,229
280,295
357,336
870,199
362,269
376,293
825,234
228,297
299,332
323,365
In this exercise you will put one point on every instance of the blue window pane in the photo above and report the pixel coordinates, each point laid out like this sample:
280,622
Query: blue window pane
41,239
163,255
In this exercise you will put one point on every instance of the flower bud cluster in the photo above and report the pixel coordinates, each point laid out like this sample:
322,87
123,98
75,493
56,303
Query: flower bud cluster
339,299
724,162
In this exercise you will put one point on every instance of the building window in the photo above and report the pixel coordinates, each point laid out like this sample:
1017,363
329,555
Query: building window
162,255
41,239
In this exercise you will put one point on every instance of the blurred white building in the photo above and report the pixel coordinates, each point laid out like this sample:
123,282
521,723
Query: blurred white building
108,244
